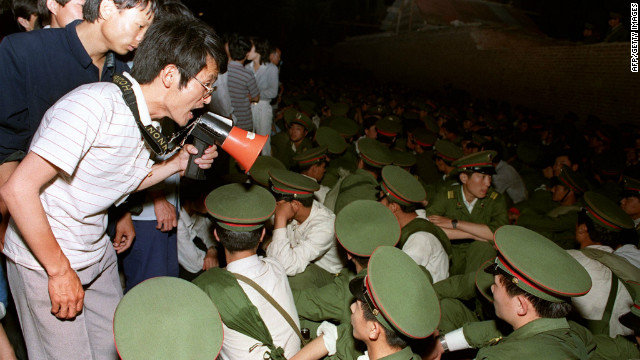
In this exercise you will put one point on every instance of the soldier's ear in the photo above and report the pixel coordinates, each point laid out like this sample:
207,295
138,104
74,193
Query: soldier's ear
463,178
215,234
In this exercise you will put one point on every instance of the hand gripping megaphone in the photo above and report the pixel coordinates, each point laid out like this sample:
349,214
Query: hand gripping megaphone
242,145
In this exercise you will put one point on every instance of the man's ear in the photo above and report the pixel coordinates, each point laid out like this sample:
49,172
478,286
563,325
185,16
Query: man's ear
375,329
24,23
53,6
463,178
262,235
169,75
107,9
522,305
215,234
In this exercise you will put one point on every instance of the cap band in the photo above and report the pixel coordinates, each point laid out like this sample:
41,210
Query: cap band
445,156
291,191
385,133
312,159
601,219
240,225
374,163
567,183
477,165
423,144
392,194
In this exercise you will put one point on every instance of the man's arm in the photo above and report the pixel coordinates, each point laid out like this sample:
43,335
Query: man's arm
21,193
463,230
178,164
254,92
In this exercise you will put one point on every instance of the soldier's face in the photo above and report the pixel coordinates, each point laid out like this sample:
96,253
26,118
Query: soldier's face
557,165
559,192
476,185
631,206
358,322
502,301
297,132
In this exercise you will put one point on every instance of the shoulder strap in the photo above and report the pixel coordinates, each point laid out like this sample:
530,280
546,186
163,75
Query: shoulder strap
152,137
619,266
273,302
420,224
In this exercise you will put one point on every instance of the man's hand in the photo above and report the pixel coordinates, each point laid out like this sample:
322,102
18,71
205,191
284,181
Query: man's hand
203,162
66,294
125,233
211,259
440,221
165,214
283,214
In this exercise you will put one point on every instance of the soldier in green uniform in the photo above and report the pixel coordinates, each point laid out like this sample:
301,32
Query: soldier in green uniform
342,162
559,224
313,164
167,318
285,145
361,227
423,241
363,184
533,282
630,202
421,141
470,213
395,303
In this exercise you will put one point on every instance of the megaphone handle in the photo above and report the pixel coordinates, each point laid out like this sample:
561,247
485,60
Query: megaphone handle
193,171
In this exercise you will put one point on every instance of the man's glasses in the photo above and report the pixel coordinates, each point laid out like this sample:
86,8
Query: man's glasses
209,90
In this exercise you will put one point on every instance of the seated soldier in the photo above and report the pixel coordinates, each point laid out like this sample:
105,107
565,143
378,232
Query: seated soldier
469,213
313,164
285,145
361,227
599,227
630,202
303,236
530,293
167,318
423,241
238,291
363,184
395,304
559,224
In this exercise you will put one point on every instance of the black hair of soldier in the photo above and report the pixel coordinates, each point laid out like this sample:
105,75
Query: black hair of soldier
368,122
234,241
24,9
599,233
301,168
181,42
239,46
394,339
544,308
405,208
306,201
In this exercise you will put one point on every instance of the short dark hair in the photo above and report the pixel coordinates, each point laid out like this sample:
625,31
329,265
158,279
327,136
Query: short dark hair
181,42
368,122
91,8
597,232
405,208
361,260
175,8
24,9
239,46
394,339
263,48
234,241
544,308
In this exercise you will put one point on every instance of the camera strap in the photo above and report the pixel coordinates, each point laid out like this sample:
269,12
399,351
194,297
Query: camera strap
152,136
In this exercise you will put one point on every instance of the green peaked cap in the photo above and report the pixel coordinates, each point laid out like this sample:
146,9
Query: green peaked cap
363,225
606,213
240,207
572,180
167,318
374,153
400,186
311,156
403,158
259,172
293,116
631,187
287,182
537,265
448,151
481,162
326,136
398,293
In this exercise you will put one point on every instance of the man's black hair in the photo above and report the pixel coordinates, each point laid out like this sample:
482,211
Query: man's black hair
571,155
306,202
91,8
599,233
239,46
544,308
24,9
368,122
175,8
235,241
183,43
263,48
394,339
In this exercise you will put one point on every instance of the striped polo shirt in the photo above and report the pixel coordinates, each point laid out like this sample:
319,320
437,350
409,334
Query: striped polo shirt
91,136
242,84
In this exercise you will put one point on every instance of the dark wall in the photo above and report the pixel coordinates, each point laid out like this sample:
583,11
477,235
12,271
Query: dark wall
552,77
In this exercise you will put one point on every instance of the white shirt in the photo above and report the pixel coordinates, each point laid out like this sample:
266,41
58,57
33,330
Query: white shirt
91,136
270,275
629,252
592,305
312,241
189,226
468,205
266,79
508,180
426,250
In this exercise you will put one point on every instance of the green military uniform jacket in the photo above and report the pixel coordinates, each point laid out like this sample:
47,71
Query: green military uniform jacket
404,354
281,148
347,161
331,302
426,168
543,338
490,210
358,186
558,225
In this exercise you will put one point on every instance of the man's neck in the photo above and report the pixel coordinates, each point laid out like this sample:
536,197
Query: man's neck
154,99
404,218
238,255
521,321
379,349
467,195
302,214
93,41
